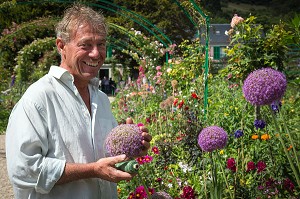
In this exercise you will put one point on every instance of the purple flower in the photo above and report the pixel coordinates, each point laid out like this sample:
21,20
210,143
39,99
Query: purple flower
125,139
264,86
238,133
276,106
259,124
161,195
212,138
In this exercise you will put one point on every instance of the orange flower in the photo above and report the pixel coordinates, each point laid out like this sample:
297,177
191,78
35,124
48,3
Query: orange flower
290,147
265,137
254,137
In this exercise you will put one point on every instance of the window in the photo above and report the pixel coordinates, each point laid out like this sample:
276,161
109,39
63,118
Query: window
217,52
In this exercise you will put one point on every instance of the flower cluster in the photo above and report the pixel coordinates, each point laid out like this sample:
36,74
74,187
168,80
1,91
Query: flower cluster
188,193
236,20
260,166
140,193
125,139
212,138
264,86
144,159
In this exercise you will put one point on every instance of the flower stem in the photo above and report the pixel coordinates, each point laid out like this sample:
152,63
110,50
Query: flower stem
284,148
224,176
145,187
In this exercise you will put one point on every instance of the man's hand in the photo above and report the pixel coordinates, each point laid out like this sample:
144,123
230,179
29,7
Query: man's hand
105,169
145,134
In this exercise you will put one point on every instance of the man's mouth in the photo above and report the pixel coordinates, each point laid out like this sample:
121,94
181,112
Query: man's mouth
92,64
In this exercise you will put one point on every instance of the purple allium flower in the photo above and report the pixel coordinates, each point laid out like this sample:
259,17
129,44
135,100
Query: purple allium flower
259,124
212,138
238,133
125,139
161,195
264,86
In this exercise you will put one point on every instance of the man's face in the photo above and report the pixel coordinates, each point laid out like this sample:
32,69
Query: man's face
84,54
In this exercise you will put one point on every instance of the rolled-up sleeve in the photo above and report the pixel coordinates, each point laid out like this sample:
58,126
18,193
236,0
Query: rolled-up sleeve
27,147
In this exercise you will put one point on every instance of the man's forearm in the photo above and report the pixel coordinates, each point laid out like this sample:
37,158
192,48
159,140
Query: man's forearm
73,172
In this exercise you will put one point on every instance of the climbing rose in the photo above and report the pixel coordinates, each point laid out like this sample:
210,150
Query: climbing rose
236,20
212,138
125,139
264,86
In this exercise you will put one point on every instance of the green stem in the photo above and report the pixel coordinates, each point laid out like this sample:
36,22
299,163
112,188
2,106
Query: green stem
224,176
284,148
291,140
145,187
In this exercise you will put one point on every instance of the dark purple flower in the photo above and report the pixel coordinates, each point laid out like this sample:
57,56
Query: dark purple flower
238,133
125,139
276,106
288,185
212,138
264,86
259,124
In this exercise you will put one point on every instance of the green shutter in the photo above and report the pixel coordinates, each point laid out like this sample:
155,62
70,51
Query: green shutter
217,52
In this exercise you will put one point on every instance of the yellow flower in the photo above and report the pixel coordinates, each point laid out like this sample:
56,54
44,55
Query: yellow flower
265,137
254,137
221,152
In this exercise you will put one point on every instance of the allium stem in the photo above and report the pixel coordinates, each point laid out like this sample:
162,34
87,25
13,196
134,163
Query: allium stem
284,148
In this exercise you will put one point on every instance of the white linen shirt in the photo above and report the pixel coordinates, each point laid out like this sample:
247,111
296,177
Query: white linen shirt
51,125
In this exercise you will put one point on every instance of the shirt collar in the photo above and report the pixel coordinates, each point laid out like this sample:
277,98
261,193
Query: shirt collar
65,76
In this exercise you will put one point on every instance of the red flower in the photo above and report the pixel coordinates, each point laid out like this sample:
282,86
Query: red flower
180,104
261,166
194,95
155,150
231,164
250,166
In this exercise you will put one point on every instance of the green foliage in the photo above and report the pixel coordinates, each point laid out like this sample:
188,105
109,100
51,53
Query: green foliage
27,69
251,48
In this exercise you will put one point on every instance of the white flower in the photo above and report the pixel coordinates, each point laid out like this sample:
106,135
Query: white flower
170,185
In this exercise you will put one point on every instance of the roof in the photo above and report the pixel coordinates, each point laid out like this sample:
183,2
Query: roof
217,35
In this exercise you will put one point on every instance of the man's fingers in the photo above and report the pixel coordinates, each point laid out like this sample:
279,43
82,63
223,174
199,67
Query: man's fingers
129,120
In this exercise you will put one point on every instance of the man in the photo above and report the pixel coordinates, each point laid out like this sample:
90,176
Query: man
56,132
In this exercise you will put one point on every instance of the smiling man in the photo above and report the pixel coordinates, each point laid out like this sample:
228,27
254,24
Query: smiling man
56,132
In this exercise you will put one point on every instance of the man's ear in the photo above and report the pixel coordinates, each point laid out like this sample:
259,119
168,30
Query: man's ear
60,45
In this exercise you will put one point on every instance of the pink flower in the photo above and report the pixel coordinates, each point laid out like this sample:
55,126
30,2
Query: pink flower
236,20
155,150
158,67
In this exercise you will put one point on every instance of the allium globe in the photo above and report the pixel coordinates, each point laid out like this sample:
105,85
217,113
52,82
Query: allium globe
264,86
124,139
161,195
212,138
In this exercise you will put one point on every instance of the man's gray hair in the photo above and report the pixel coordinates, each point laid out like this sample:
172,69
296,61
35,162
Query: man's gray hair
78,15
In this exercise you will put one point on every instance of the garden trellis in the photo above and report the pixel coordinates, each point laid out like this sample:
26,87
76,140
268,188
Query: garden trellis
190,9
